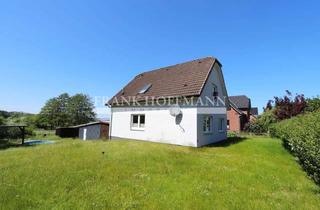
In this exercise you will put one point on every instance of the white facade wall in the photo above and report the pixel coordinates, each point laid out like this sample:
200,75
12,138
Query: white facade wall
217,113
160,126
216,135
213,79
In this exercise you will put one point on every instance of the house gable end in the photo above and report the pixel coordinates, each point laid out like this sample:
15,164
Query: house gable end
215,78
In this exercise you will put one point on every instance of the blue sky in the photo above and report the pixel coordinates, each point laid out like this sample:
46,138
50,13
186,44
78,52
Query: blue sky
96,47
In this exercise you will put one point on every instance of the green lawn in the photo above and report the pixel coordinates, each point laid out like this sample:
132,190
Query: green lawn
256,173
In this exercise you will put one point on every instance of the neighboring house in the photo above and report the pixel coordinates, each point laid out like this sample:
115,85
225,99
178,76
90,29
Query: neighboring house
152,118
254,113
240,113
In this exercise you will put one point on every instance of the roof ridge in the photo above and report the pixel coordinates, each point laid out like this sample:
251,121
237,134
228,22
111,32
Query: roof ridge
166,67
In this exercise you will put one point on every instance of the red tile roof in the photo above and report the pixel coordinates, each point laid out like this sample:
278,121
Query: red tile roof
185,79
242,101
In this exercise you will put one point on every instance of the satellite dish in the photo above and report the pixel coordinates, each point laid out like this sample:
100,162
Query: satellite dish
175,110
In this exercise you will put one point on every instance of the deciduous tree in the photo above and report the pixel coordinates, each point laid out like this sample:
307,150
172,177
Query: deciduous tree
64,111
287,106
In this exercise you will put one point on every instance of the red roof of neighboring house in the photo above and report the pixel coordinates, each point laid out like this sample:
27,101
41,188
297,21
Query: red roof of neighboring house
241,102
254,111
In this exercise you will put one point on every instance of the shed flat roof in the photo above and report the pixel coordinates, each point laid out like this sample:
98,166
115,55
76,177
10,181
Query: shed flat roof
87,124
91,123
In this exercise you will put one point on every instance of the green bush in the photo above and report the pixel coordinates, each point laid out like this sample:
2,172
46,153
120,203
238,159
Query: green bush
262,124
255,127
2,120
232,134
313,104
15,133
301,135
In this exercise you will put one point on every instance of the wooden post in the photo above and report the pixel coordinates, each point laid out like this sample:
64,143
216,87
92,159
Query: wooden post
23,134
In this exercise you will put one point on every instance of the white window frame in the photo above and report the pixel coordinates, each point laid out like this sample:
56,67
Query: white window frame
221,125
139,126
207,129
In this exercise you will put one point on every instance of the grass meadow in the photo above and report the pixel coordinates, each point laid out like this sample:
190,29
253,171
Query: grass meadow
250,173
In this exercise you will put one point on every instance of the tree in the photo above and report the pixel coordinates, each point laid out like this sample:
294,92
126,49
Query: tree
2,131
287,106
4,114
268,106
54,113
64,111
80,109
2,120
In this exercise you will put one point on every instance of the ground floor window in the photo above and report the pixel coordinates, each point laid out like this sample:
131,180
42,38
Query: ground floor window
137,121
228,124
207,124
221,124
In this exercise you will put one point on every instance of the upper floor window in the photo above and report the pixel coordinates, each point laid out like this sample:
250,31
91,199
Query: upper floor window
214,90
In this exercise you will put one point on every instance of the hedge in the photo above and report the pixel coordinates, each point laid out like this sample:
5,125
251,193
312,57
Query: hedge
301,135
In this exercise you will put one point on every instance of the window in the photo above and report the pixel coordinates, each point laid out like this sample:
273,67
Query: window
145,88
207,124
137,121
228,124
142,119
214,90
221,124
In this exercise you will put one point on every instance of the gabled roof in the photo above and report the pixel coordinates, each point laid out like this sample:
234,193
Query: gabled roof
254,111
241,102
185,79
235,107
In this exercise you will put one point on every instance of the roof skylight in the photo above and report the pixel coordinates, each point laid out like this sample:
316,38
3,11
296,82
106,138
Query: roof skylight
145,88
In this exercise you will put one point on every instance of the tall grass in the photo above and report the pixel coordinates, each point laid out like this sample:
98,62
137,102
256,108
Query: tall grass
256,173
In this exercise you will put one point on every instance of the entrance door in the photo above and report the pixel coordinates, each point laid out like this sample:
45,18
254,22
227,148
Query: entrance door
84,134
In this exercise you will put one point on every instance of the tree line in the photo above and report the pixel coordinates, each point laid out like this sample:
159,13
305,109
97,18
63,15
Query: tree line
61,111
281,108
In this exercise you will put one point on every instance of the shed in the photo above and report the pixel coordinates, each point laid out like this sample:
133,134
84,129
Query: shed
67,132
94,130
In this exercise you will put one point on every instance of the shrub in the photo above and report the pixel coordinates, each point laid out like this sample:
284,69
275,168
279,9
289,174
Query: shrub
232,134
254,127
262,124
287,106
301,136
313,104
2,120
15,133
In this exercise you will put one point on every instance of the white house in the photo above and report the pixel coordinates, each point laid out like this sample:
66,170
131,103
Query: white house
183,104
